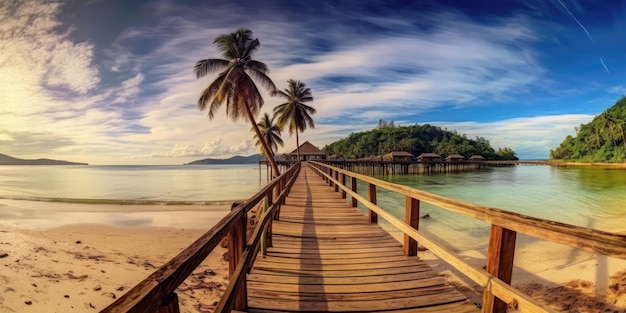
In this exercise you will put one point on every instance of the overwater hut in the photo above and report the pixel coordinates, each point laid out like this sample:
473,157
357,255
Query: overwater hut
455,158
308,152
476,158
398,156
335,157
429,158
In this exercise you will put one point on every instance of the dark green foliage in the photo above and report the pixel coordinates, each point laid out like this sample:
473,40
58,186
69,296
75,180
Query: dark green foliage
416,139
601,140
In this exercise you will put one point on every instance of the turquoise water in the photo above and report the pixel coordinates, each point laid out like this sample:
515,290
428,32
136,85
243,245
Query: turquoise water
588,197
132,184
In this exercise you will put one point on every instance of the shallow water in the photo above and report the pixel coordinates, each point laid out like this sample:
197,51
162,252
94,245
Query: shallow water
588,197
132,184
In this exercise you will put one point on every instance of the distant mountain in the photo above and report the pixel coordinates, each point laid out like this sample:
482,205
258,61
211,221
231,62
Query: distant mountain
9,160
253,159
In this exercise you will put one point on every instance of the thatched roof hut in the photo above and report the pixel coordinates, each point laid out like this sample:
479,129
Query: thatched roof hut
429,157
308,152
455,158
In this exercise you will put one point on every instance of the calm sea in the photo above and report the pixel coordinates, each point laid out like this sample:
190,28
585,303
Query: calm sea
588,197
132,184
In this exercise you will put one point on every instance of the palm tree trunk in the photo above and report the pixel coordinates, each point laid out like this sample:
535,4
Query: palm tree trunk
268,152
298,145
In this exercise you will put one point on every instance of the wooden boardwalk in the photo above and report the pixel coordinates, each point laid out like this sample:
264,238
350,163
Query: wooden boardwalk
327,257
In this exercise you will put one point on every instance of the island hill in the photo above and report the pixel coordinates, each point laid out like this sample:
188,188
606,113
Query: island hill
416,139
601,140
9,160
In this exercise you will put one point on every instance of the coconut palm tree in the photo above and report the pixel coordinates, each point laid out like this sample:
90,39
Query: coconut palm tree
234,85
269,132
295,113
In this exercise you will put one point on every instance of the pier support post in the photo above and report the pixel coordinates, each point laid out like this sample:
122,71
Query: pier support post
343,182
236,245
500,255
412,218
353,186
371,195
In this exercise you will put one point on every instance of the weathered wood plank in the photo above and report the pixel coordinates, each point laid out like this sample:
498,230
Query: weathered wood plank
328,257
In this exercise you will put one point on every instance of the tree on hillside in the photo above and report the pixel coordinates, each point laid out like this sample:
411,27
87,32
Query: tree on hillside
600,140
270,132
234,85
295,113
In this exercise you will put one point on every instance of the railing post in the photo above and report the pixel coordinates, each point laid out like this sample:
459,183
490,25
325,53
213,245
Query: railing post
343,182
371,195
169,304
412,218
236,244
353,186
336,176
330,174
500,255
270,201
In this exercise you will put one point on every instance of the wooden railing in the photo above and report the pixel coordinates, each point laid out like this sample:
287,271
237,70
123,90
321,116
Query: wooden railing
156,293
495,280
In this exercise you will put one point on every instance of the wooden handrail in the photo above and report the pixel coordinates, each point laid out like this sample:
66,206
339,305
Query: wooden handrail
496,280
155,292
606,243
239,276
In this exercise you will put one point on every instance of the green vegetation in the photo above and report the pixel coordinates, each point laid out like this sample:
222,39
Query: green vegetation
295,113
235,87
601,140
270,132
416,139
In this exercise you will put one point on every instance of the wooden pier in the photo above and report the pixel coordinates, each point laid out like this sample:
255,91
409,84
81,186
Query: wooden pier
328,257
313,251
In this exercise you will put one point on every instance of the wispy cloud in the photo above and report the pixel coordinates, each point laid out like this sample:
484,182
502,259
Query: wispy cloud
604,65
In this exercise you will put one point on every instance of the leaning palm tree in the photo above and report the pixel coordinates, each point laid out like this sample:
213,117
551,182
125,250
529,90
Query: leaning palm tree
234,85
295,113
270,133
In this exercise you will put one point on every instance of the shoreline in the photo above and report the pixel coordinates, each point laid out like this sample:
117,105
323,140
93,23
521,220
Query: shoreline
58,263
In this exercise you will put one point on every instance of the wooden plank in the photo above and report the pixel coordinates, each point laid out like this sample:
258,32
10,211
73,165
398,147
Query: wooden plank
354,306
354,296
457,307
341,280
328,257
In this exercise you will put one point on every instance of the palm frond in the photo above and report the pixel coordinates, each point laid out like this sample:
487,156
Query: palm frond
207,66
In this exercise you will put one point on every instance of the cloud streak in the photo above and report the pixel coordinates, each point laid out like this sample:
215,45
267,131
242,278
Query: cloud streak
577,21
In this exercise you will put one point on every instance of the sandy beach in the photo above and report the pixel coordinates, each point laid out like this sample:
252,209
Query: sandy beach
64,257
69,265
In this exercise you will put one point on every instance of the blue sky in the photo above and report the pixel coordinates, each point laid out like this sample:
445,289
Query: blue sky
111,82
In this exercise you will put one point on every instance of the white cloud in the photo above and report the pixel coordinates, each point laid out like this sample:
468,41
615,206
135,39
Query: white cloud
129,89
618,89
530,137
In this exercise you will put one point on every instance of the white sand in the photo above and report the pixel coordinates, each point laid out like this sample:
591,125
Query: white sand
60,266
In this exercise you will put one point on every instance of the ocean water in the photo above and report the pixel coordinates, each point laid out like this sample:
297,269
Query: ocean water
589,197
181,184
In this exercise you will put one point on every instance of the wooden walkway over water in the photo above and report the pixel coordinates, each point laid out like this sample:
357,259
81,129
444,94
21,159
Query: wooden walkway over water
328,257
325,256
